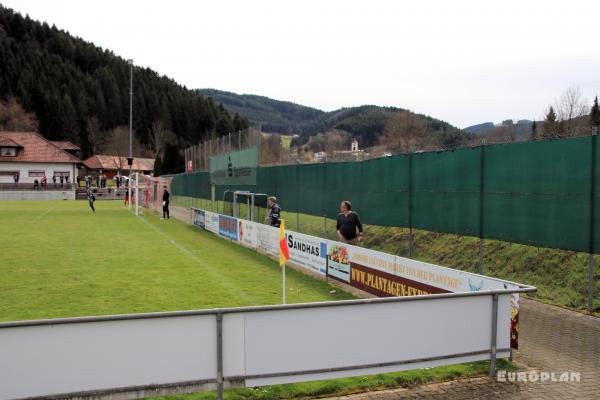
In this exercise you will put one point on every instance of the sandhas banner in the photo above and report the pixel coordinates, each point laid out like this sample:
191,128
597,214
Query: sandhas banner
307,251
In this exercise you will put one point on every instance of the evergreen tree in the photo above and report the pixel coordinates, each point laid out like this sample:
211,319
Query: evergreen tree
534,130
551,126
595,116
172,162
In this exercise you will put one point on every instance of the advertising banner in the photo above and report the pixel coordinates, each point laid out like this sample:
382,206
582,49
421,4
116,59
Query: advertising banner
338,261
514,321
452,280
307,251
211,222
199,218
267,239
235,168
383,284
378,273
228,227
247,233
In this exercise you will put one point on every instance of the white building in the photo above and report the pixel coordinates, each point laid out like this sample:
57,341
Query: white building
30,156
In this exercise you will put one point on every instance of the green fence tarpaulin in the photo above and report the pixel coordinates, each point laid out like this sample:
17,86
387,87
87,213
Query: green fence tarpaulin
535,193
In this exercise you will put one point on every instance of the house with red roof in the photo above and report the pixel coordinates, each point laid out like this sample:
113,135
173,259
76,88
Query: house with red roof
117,165
30,156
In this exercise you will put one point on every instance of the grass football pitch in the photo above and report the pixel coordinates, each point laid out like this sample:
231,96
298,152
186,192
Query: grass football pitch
59,259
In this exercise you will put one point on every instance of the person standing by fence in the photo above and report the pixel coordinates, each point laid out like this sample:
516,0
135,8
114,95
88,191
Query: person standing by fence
347,223
165,203
16,178
274,216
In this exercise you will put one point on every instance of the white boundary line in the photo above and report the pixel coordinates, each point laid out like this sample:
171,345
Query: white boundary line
41,215
208,268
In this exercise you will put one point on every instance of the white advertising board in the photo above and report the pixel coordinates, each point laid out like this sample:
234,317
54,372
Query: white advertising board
268,239
211,222
247,233
307,251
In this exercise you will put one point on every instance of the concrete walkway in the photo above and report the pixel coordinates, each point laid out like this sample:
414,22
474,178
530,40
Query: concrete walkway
551,340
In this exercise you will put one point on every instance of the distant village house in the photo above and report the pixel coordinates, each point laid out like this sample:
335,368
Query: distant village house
30,157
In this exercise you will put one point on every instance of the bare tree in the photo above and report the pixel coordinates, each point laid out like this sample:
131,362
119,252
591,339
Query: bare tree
95,136
160,137
14,118
332,140
117,146
570,107
404,132
270,149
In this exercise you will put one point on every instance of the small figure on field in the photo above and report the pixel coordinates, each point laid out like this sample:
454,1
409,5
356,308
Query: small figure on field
91,199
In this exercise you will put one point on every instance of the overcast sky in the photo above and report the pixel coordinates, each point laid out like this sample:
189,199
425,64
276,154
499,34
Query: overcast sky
465,62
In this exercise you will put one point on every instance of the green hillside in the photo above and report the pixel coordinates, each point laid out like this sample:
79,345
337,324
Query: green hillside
79,91
366,122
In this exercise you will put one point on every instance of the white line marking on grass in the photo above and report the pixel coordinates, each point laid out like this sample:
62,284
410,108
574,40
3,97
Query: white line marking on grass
41,215
209,268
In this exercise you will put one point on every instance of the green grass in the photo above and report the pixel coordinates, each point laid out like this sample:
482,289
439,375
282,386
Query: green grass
561,276
61,260
345,386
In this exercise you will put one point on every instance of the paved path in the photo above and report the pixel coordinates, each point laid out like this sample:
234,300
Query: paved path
551,339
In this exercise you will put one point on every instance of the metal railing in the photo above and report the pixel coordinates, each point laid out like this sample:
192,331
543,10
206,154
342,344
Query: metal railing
219,314
40,187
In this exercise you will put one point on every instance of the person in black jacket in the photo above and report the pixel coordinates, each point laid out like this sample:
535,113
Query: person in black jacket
165,204
274,217
91,199
348,222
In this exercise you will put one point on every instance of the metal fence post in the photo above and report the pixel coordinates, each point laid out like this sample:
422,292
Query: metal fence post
297,201
410,232
481,189
219,356
494,334
592,218
324,226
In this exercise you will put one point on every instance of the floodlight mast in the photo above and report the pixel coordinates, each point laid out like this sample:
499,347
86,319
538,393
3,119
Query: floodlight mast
130,159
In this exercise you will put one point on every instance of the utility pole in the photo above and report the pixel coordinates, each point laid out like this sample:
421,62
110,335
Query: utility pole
130,158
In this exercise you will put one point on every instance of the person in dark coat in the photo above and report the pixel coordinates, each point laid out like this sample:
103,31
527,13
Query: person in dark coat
348,223
166,196
91,199
274,216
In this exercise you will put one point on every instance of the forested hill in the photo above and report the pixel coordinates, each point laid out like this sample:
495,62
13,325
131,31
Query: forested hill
273,116
69,83
367,122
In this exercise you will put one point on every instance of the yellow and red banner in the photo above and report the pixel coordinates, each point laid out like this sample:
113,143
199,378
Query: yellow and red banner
284,252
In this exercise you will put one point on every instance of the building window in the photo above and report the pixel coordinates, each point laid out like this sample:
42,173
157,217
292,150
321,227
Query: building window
9,173
36,174
8,151
64,174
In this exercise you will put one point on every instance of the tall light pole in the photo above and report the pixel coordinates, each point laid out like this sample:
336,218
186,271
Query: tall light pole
130,159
